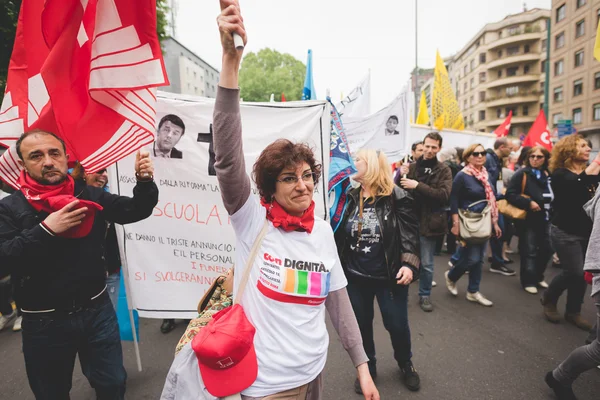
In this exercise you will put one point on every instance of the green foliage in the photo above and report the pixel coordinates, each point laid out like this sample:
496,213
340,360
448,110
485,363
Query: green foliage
269,71
9,14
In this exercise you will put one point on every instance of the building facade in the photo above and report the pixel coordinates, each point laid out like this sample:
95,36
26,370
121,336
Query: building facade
574,73
188,73
501,70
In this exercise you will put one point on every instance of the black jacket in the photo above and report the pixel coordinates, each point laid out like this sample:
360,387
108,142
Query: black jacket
51,272
399,230
533,188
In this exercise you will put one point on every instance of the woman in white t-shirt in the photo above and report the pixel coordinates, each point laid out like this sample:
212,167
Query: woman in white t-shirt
297,274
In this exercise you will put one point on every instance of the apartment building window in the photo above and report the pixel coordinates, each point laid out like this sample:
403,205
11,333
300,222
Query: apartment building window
472,83
581,3
512,71
507,110
472,100
472,65
578,87
597,112
526,49
194,74
580,28
526,69
465,70
511,51
525,110
560,40
558,94
556,118
514,30
482,58
544,44
196,89
482,77
577,116
465,104
499,53
481,96
543,67
499,113
559,67
597,80
512,90
561,13
465,87
482,114
579,58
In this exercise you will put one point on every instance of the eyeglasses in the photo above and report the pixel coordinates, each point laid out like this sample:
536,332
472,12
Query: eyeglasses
537,157
309,177
478,153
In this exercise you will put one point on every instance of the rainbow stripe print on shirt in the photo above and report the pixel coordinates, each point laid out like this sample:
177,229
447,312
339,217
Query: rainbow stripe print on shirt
306,283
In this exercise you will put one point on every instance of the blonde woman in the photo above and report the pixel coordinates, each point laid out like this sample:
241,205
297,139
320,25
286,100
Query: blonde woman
377,244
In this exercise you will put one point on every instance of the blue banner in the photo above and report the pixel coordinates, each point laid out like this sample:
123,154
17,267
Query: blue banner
341,167
123,315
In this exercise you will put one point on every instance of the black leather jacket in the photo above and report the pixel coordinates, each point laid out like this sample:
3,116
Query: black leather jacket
399,230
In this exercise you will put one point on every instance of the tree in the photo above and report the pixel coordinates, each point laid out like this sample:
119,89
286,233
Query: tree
9,14
269,71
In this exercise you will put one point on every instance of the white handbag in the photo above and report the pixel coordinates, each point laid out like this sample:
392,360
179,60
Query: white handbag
476,227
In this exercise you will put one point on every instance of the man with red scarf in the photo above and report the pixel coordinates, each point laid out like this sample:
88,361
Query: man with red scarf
51,242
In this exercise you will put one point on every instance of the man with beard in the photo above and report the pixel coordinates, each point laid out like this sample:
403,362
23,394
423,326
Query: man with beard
170,130
52,233
431,183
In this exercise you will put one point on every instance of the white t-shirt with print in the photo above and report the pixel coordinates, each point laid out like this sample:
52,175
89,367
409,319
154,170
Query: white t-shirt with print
284,298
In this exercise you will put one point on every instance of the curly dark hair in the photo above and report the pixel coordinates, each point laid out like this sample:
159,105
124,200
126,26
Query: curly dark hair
277,156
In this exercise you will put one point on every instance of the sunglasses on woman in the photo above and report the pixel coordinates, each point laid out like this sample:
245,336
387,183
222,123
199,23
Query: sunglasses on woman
478,153
536,156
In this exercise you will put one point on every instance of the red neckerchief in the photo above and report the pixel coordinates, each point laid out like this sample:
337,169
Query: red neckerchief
281,219
51,198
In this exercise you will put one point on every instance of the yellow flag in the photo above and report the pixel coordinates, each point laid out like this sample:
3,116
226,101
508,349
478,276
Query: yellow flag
597,46
445,111
423,117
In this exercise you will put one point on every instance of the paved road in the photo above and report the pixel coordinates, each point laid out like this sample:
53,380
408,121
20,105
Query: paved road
462,351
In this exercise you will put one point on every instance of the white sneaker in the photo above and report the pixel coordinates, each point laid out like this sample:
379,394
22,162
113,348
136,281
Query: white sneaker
433,284
17,325
450,264
479,298
543,284
451,285
531,289
5,320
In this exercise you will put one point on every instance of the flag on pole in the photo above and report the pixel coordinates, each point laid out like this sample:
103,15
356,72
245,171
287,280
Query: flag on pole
358,102
423,116
283,98
504,129
341,167
539,135
445,111
76,63
308,92
597,45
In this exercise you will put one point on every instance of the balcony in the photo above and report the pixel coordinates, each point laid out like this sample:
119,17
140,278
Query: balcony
532,96
514,120
512,80
514,59
516,39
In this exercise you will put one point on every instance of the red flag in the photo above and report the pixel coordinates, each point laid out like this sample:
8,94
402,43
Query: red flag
283,97
504,129
539,134
87,71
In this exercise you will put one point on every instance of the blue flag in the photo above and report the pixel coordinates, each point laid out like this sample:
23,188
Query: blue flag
308,93
123,315
341,167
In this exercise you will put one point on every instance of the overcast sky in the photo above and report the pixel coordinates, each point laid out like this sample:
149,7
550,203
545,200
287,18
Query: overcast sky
349,37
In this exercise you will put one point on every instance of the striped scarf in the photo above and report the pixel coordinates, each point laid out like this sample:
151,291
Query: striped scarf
482,176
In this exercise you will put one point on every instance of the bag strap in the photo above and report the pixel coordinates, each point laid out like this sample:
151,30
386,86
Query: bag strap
240,292
523,182
477,202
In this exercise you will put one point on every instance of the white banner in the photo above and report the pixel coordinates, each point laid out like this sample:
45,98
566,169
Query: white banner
174,255
358,102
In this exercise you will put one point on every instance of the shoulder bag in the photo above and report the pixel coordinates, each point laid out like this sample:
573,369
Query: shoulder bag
475,227
510,211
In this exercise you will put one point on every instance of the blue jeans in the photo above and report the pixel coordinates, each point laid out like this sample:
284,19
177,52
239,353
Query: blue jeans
113,283
426,271
471,259
535,250
393,304
52,340
497,243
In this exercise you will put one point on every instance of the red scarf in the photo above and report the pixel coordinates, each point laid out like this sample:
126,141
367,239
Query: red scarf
482,176
51,198
281,219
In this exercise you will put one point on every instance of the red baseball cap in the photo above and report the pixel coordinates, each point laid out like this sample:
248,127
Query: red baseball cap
225,352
